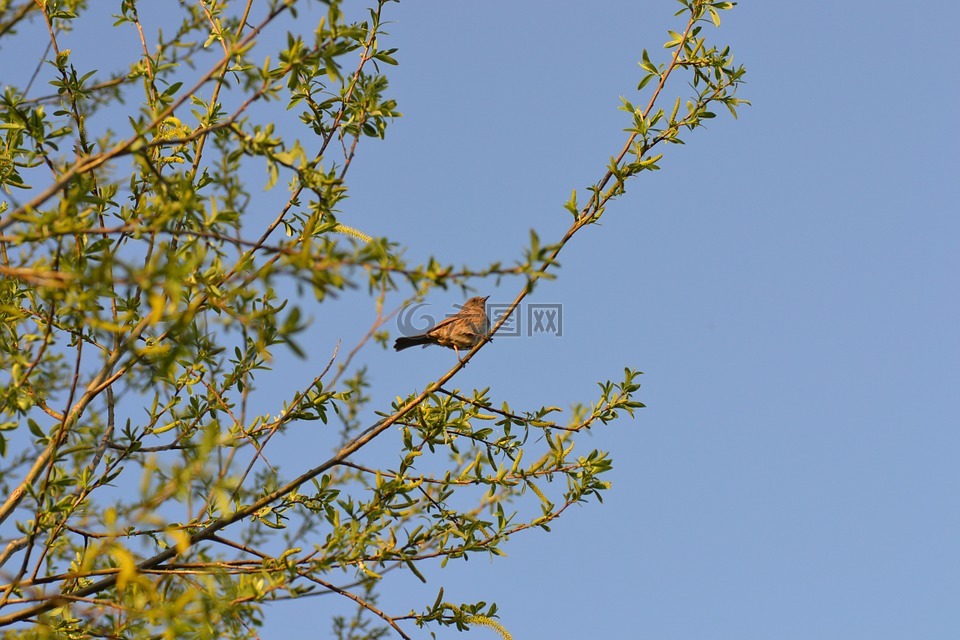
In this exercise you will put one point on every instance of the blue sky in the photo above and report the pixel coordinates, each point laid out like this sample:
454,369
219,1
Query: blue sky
788,282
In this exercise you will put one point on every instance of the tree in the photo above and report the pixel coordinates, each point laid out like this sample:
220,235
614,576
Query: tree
142,303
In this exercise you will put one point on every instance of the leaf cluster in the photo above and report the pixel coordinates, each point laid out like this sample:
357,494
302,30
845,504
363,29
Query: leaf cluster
149,289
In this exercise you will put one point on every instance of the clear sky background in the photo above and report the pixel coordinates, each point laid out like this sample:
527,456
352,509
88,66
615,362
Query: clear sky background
788,283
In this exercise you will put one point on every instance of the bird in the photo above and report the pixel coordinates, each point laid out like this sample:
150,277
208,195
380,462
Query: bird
464,330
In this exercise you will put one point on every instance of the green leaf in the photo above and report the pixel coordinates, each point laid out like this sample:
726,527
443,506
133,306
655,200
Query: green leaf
31,423
714,16
675,40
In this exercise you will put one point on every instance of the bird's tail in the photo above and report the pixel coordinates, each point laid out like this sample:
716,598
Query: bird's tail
405,342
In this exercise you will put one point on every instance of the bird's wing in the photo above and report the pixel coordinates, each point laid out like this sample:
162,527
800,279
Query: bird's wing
442,323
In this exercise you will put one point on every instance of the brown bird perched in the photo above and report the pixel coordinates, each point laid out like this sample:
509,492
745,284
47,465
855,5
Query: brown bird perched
461,331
